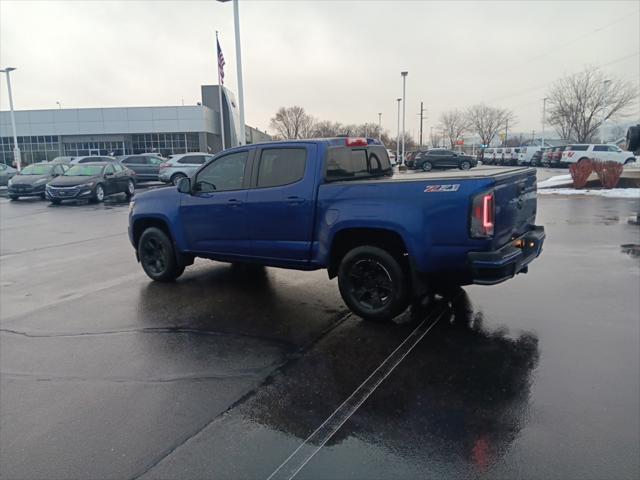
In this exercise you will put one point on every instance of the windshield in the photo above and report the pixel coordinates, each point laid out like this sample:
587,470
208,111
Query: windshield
36,170
83,171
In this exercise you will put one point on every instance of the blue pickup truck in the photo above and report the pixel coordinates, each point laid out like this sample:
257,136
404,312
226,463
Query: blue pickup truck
335,204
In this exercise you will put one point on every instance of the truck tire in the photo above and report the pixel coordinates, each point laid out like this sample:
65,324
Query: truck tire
373,284
157,256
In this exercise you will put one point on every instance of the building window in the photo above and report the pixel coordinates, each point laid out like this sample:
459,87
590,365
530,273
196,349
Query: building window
32,149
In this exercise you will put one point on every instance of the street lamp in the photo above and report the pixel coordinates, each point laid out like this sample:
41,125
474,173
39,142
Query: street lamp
60,105
398,136
236,21
605,86
404,104
16,149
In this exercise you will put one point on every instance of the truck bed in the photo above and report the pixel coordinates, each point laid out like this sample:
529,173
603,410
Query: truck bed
475,173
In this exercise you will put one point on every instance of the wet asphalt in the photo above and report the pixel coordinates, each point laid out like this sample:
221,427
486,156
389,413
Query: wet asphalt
227,372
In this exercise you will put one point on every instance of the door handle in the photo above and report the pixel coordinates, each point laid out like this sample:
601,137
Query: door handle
234,202
295,200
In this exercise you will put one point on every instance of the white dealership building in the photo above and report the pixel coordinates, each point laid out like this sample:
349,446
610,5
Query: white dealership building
45,134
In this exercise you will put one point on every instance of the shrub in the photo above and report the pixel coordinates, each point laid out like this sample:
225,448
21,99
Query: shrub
608,172
580,173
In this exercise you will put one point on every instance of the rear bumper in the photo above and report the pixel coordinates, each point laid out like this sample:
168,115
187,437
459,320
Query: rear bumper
490,268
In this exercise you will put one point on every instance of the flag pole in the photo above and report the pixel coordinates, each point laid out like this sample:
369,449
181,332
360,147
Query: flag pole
220,92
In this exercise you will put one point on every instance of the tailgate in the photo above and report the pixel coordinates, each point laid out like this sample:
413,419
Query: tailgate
516,204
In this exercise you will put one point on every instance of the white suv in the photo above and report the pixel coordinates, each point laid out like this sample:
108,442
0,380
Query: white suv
526,154
181,166
575,153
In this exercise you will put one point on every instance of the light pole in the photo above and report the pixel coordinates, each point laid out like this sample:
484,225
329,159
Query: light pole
16,149
544,118
404,104
236,22
60,105
605,86
398,136
379,125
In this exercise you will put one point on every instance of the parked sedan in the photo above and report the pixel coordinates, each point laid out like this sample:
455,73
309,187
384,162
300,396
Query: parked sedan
92,181
6,173
63,160
441,158
31,181
181,166
92,159
146,166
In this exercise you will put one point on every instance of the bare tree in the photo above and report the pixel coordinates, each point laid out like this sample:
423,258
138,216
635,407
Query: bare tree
516,140
561,126
292,123
580,102
453,123
326,128
434,139
488,121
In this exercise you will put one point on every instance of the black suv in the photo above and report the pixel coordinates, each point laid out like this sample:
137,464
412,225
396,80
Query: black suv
441,158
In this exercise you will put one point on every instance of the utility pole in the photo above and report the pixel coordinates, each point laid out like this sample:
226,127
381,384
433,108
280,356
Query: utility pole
544,118
379,125
421,120
398,136
404,110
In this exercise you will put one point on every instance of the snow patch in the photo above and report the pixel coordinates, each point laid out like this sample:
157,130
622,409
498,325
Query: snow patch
555,181
612,193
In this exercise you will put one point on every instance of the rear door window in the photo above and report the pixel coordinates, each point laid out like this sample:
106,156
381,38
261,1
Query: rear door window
281,166
137,160
600,148
346,163
578,148
192,159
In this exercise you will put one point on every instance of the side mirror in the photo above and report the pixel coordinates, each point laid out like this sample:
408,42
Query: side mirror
184,185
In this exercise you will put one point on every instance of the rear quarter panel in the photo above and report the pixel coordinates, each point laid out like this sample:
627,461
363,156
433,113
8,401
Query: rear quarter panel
433,225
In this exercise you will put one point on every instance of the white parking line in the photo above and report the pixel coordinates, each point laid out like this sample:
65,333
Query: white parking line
312,445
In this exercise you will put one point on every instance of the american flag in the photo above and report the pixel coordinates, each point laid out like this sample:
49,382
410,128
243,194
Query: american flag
220,63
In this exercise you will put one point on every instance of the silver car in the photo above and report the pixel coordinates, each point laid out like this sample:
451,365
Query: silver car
182,165
6,173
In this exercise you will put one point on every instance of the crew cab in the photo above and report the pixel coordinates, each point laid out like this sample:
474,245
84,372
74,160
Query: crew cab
335,204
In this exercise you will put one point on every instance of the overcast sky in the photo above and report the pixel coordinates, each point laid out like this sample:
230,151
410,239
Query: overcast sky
339,60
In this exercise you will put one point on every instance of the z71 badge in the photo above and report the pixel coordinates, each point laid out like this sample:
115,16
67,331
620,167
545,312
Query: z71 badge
453,187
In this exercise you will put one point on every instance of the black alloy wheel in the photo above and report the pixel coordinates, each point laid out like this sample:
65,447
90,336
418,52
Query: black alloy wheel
465,165
427,166
157,256
373,284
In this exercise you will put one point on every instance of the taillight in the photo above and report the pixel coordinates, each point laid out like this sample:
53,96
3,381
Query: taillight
356,142
483,214
164,165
